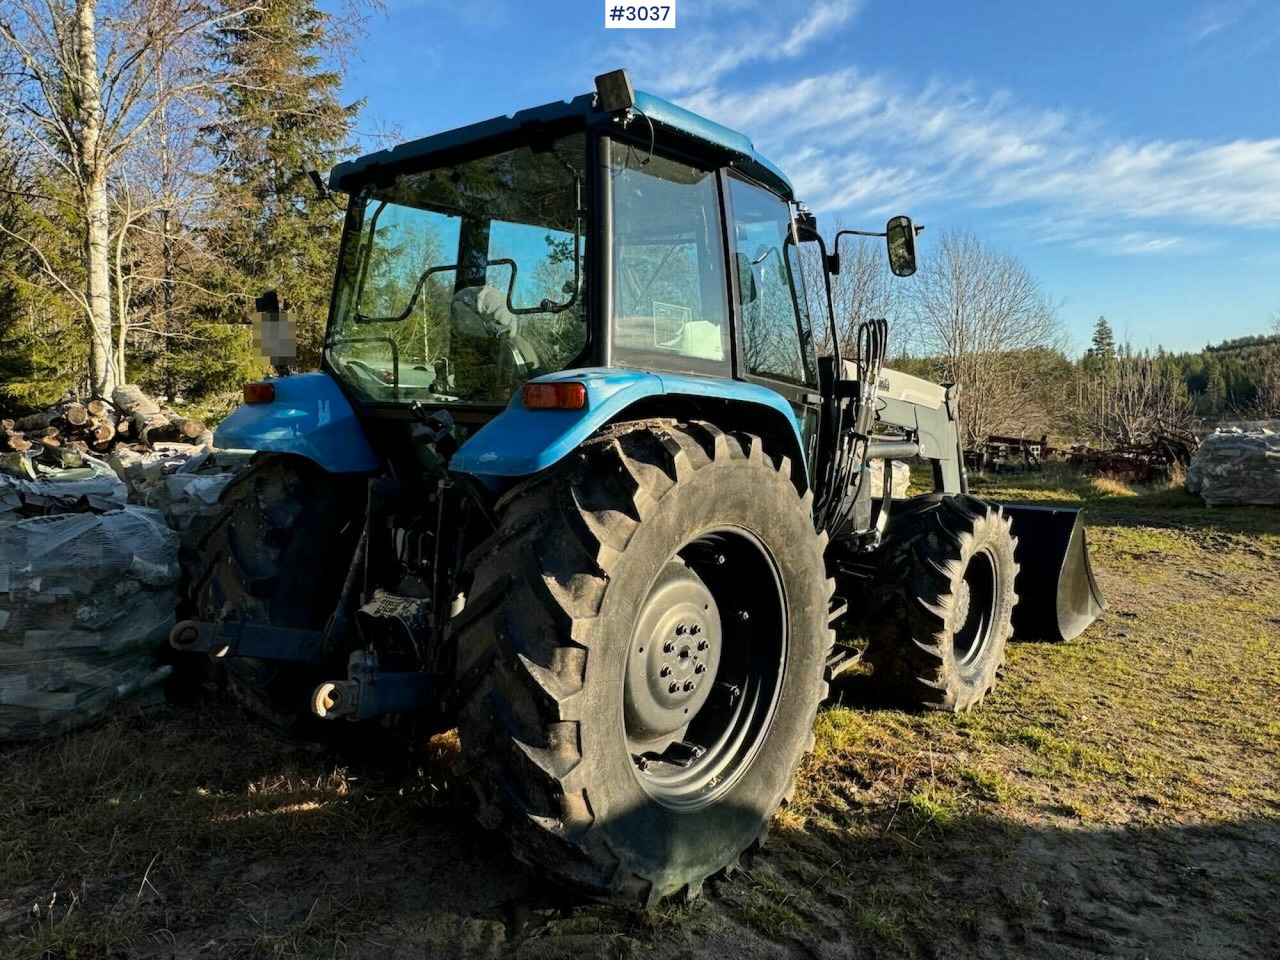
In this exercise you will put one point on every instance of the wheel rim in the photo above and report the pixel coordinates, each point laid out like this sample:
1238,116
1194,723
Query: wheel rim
975,608
704,668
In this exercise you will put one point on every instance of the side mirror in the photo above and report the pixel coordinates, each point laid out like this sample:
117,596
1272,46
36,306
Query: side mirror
900,238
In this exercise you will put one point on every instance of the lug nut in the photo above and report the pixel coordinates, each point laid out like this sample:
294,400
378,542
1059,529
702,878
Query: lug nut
669,646
695,630
700,668
665,671
703,644
680,628
688,686
674,688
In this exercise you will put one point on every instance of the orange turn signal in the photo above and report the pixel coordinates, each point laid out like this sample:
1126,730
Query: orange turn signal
554,396
261,392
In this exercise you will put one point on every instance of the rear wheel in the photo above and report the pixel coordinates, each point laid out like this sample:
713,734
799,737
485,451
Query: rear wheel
647,631
941,613
279,554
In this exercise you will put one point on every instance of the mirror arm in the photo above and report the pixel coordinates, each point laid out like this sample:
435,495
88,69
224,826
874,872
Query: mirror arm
833,258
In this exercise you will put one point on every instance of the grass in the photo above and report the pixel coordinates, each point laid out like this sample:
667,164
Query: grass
1138,762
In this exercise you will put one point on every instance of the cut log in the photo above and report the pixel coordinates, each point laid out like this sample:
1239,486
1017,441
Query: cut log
155,428
189,427
12,439
131,401
38,421
75,414
15,442
102,430
98,408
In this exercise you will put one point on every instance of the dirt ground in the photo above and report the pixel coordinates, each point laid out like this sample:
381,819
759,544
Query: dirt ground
1116,796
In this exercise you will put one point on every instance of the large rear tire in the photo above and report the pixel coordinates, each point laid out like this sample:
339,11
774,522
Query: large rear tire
647,633
941,612
279,554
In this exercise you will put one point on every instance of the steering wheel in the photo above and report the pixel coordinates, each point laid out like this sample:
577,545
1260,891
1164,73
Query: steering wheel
378,377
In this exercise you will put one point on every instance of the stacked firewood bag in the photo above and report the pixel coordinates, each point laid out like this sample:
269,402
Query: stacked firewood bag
1237,466
98,518
88,591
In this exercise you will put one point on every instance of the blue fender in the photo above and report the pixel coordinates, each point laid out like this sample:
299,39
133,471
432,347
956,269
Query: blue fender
309,417
519,442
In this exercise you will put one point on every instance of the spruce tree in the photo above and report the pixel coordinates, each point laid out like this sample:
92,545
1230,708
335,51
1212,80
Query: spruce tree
1104,342
270,230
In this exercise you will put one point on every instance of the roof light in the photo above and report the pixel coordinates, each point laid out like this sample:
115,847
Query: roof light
614,92
261,392
565,395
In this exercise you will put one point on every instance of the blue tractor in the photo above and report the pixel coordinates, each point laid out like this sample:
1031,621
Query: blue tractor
576,480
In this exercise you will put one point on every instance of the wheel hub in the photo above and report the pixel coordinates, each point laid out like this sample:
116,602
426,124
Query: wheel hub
674,658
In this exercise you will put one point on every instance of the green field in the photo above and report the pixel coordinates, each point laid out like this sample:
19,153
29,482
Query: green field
1116,796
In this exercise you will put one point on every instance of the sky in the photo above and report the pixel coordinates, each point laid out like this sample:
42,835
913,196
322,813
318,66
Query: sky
1127,151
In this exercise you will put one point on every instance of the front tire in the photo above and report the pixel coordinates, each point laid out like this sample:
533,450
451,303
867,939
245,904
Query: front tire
942,609
648,630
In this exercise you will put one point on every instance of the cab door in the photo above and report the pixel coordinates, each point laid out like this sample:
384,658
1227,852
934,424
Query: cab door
773,326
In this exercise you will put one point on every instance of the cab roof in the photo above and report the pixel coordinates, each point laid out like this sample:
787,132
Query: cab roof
697,135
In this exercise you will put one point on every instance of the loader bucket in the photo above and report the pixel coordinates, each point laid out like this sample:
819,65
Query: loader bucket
1057,595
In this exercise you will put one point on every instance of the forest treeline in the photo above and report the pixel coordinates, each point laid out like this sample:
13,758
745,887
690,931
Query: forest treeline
154,159
1118,395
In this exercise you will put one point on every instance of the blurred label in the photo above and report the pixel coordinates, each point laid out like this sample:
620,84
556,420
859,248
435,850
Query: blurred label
650,16
275,337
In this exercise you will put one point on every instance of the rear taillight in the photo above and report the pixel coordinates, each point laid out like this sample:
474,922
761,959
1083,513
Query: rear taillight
262,392
554,396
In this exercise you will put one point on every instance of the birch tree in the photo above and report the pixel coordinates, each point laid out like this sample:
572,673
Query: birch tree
92,77
976,313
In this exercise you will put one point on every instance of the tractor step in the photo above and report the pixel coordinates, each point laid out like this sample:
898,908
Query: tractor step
841,658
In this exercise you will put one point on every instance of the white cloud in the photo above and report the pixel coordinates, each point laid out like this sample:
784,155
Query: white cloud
865,144
1233,29
868,145
716,38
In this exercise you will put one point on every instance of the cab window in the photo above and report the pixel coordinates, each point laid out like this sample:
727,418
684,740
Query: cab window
670,308
777,334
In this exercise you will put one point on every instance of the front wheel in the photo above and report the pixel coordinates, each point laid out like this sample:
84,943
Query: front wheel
649,629
942,610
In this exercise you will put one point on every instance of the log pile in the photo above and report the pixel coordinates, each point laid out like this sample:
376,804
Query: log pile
62,435
1234,467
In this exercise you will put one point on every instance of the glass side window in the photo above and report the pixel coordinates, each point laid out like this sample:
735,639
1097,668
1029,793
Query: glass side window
776,331
669,295
458,283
